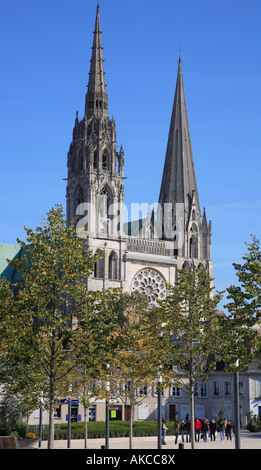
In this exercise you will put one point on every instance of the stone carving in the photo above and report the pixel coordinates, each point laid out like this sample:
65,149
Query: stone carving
149,282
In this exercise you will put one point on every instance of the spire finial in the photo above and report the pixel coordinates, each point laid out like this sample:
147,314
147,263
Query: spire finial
96,97
180,59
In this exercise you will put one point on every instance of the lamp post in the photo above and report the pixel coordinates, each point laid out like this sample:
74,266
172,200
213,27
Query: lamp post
107,416
69,418
159,412
41,421
236,408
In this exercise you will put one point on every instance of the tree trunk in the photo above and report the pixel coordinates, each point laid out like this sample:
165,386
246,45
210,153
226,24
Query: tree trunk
85,427
131,426
51,412
192,414
51,398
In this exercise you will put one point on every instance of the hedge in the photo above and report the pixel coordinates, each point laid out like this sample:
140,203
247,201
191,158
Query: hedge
96,429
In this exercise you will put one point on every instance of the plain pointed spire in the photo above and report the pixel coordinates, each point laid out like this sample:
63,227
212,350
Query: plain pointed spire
96,97
179,180
178,175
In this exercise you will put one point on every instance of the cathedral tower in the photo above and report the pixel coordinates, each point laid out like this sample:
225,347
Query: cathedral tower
179,189
136,255
95,167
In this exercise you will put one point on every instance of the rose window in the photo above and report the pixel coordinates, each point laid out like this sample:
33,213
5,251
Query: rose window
150,283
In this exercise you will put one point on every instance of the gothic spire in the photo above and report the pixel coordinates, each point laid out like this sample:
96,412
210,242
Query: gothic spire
96,97
179,180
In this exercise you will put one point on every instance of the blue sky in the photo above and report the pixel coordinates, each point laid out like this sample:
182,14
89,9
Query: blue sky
45,52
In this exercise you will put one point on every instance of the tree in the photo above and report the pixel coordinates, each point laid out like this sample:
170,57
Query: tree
135,365
95,345
53,266
189,328
243,320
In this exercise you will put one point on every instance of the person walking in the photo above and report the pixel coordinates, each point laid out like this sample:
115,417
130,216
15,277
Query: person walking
182,430
197,429
164,431
176,430
222,429
188,430
204,429
212,429
229,430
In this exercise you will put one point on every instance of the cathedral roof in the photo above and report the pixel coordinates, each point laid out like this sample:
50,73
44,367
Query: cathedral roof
133,228
6,270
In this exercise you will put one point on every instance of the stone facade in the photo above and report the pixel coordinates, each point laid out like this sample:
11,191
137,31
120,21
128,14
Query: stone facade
95,193
139,255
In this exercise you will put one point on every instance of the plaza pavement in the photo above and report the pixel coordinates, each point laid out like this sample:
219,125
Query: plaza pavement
248,440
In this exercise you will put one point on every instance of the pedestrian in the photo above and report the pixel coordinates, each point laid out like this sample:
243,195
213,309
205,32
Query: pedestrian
176,430
188,430
164,431
197,429
229,430
225,423
222,429
204,429
182,430
213,428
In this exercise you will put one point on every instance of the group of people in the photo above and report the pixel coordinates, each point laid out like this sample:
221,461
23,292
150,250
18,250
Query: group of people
203,428
206,427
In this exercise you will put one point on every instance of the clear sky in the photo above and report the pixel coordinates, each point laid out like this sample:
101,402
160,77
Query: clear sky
45,52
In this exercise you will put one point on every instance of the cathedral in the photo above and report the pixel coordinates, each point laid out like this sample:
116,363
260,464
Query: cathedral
141,254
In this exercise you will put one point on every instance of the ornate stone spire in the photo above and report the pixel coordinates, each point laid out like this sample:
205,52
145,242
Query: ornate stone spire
179,180
96,97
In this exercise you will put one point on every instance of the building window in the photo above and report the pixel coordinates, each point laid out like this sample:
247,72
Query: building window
92,413
99,268
105,161
216,390
227,389
113,266
193,247
241,388
203,390
258,388
196,394
175,391
104,202
144,391
95,160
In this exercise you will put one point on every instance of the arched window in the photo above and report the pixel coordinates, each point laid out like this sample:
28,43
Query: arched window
79,195
186,265
193,247
105,160
113,266
99,267
95,160
104,202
